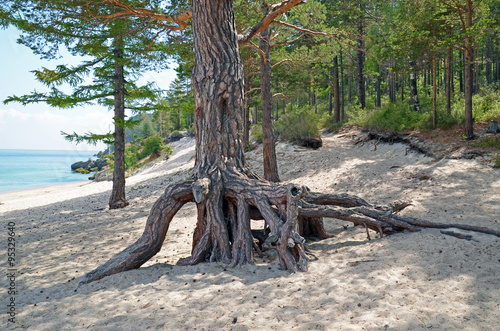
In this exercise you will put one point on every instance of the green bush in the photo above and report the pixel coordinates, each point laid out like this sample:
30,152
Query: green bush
392,117
256,132
295,126
82,171
496,160
488,142
152,145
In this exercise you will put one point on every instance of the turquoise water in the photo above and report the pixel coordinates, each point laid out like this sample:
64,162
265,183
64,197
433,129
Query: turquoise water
27,169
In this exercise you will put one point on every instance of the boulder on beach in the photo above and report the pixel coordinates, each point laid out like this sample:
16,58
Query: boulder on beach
90,165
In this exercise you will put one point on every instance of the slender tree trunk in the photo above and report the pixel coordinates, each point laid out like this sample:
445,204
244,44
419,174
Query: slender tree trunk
330,95
342,111
469,78
475,70
434,92
336,94
118,199
461,71
378,103
414,102
449,78
268,139
361,65
349,80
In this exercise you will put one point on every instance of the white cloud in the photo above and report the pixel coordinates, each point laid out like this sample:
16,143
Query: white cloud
41,129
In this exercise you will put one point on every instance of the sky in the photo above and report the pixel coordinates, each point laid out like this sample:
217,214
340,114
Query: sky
38,126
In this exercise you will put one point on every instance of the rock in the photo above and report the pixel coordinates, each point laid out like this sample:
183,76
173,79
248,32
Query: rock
89,165
312,142
101,176
175,137
493,127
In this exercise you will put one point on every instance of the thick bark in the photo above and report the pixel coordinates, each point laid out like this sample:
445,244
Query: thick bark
246,116
118,199
268,138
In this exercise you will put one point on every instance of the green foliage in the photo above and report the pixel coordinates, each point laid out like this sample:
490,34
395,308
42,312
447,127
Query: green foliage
256,132
488,142
486,105
303,123
496,160
392,117
152,145
82,171
140,149
329,125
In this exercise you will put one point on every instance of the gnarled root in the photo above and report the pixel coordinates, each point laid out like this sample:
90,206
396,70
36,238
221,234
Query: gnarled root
225,207
150,242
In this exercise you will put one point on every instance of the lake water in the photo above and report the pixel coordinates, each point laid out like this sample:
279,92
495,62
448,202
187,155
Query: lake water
27,169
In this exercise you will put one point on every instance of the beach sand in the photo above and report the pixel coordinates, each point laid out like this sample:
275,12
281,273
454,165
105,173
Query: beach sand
407,281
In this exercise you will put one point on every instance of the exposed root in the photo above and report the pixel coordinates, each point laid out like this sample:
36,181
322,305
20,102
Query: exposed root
290,211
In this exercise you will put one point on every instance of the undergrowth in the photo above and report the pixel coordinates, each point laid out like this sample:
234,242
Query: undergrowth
399,116
138,152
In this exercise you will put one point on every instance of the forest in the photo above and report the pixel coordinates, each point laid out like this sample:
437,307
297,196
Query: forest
283,70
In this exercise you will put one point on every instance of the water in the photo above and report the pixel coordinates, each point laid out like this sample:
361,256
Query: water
28,169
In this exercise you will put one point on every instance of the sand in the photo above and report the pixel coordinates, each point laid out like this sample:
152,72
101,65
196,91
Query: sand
407,281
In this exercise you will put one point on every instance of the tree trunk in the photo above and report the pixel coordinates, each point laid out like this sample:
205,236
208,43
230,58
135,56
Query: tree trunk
461,71
342,111
449,78
268,139
330,95
246,115
378,102
336,94
361,65
227,194
468,77
414,102
349,80
117,199
434,92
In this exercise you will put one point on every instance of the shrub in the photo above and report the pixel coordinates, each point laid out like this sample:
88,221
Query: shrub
152,145
82,171
496,160
298,125
256,132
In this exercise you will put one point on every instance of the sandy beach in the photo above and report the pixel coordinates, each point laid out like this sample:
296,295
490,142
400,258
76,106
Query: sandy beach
407,281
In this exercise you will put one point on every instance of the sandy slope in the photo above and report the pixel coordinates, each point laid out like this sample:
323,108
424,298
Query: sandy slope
408,281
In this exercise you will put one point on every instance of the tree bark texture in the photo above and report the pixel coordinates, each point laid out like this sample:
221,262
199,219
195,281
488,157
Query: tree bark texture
414,102
468,74
336,91
449,78
361,65
118,199
268,138
434,92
